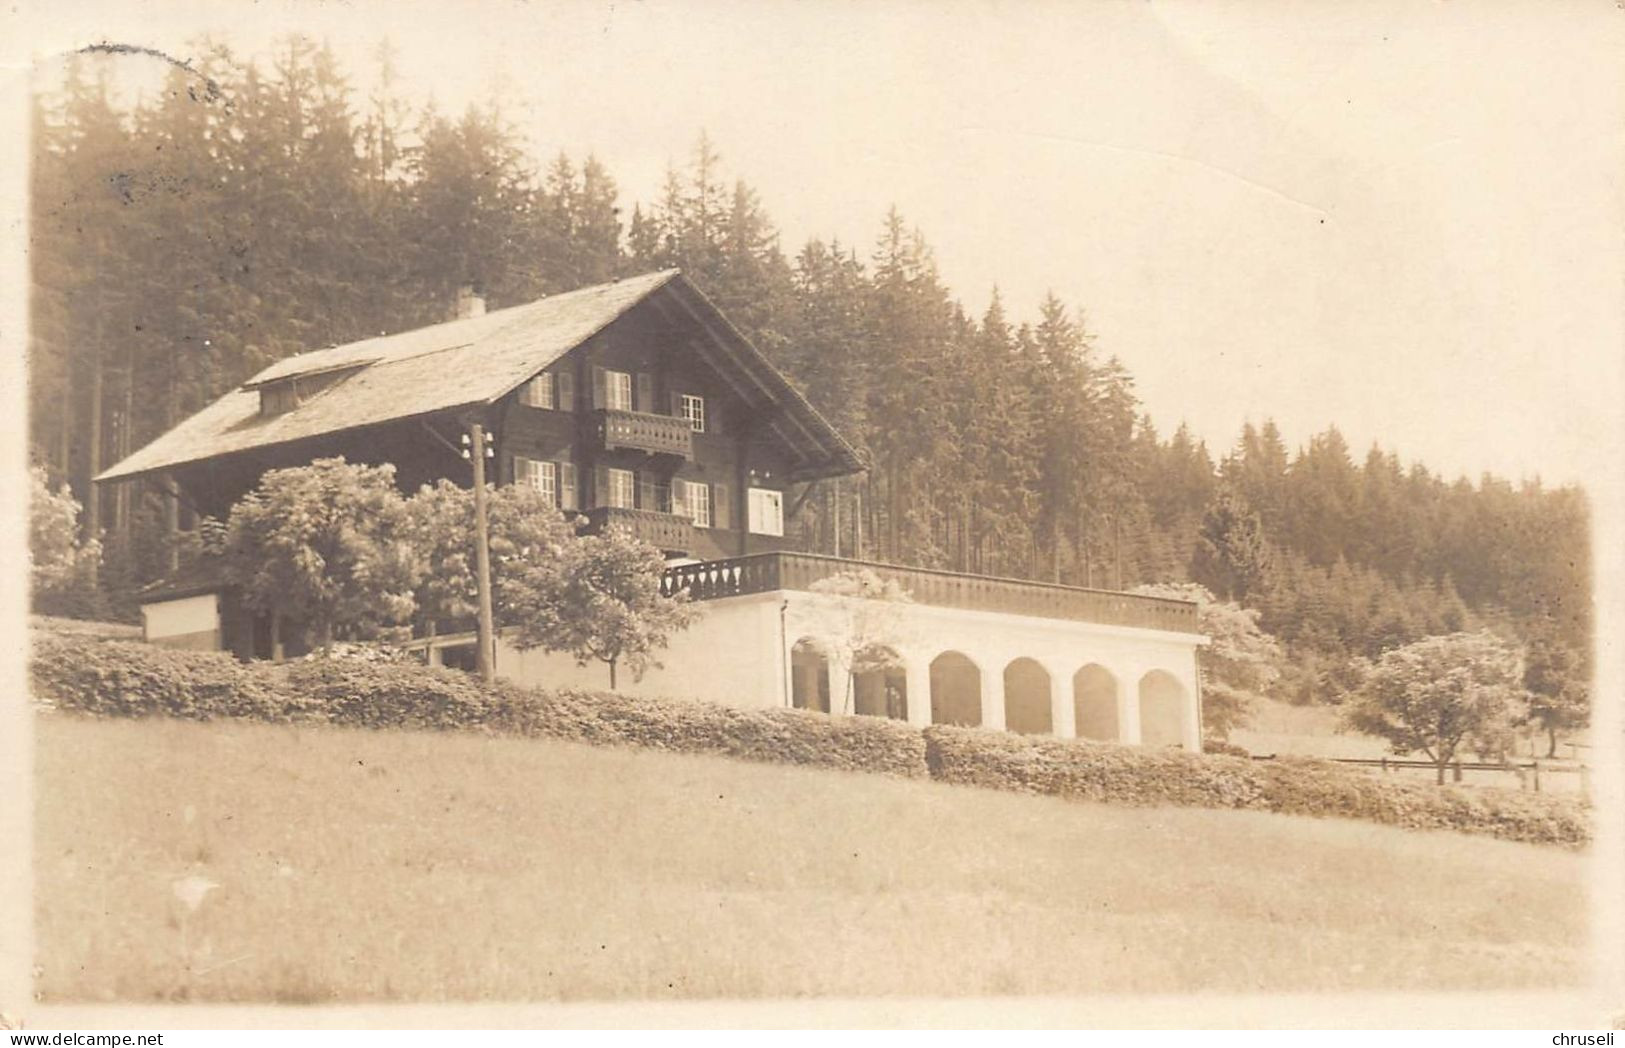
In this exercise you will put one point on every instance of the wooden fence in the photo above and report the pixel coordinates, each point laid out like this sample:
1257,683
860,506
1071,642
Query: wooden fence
1528,772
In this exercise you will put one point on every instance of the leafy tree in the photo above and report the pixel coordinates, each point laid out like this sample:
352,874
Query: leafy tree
57,556
1441,693
328,545
1241,662
862,622
601,600
526,534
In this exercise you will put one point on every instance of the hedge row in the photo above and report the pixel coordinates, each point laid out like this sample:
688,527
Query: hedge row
775,735
124,679
131,679
1126,775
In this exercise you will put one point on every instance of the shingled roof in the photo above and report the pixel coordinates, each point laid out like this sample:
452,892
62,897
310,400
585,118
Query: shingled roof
472,362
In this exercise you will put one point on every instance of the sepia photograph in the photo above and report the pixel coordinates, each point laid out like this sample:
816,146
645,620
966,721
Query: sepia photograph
697,513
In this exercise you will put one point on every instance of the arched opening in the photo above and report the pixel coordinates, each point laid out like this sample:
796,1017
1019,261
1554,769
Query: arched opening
809,676
879,683
1094,703
1026,698
1162,705
956,690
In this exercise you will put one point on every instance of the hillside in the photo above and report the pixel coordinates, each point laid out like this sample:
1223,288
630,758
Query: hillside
355,865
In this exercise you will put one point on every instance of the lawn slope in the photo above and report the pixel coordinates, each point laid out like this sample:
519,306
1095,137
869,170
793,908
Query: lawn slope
369,866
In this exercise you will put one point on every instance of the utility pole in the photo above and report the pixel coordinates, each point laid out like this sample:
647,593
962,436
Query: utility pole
484,652
1117,551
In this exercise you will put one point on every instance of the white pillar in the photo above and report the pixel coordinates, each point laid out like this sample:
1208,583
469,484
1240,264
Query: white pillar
917,669
1191,716
1128,702
993,695
1062,713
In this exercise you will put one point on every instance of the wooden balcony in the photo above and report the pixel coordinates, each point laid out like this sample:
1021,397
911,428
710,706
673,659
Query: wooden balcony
652,434
765,572
665,531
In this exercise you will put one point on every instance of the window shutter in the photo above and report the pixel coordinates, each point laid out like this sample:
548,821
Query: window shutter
567,486
600,485
646,490
546,391
721,511
567,391
645,394
521,470
599,396
676,400
679,497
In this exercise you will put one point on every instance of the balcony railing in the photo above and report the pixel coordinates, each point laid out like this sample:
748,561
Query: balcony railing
655,434
764,572
664,531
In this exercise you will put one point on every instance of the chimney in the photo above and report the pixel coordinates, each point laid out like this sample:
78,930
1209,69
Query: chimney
468,303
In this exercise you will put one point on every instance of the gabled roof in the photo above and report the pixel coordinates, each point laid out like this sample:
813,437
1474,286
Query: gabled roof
477,361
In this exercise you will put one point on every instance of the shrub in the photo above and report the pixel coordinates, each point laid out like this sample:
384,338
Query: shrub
1088,770
775,735
1310,787
1128,775
131,679
1228,749
387,695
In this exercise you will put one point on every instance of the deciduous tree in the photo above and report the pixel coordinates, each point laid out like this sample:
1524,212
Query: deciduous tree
861,621
57,556
601,601
1438,694
527,535
328,545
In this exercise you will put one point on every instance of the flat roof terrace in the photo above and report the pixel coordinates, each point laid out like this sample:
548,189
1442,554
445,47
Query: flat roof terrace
766,572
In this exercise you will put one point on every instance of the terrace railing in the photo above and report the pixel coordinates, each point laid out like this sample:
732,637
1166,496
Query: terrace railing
765,572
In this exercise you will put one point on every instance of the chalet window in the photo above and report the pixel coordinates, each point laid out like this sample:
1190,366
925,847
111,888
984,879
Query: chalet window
692,501
618,390
693,409
543,476
538,392
569,496
766,510
622,493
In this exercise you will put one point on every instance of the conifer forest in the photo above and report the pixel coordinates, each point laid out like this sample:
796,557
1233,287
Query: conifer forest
185,238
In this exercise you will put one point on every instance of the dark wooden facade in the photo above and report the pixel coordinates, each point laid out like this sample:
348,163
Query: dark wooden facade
662,351
732,455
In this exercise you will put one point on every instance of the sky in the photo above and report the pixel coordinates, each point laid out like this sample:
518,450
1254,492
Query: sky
1402,219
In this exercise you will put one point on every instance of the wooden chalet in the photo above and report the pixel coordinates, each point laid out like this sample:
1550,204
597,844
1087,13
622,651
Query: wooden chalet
638,403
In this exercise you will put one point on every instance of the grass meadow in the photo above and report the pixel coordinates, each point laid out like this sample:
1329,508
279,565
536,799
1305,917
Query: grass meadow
356,866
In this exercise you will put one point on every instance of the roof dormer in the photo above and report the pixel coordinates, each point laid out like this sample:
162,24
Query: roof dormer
282,394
